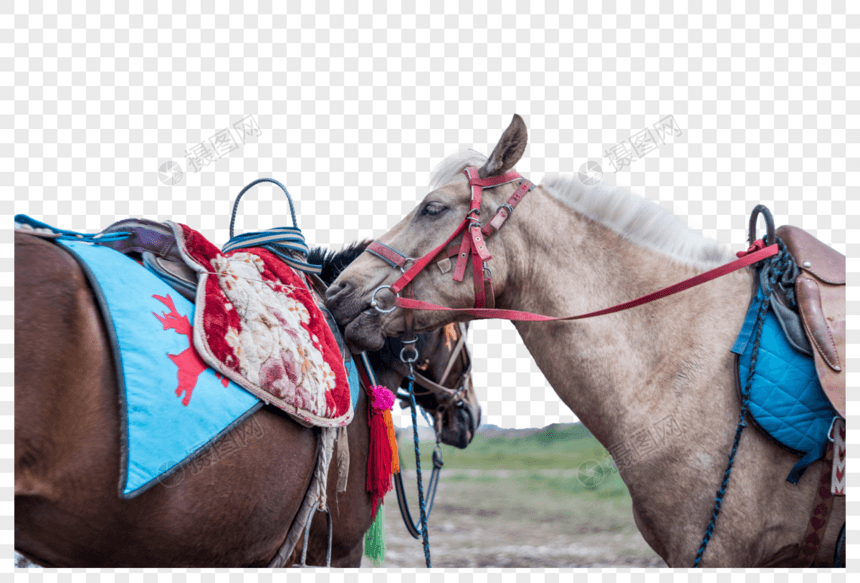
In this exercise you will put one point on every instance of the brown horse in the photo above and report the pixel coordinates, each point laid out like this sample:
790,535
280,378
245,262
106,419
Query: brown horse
230,510
654,384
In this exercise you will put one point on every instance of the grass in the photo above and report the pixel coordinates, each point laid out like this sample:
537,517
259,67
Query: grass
556,447
548,499
560,465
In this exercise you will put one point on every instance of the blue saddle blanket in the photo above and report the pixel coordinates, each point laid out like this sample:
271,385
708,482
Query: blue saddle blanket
786,399
173,406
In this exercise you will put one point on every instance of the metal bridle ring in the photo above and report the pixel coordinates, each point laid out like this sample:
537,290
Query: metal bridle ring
411,361
375,305
457,399
406,260
487,268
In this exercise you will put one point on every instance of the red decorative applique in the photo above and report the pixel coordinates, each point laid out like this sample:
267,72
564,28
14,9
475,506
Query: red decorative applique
188,361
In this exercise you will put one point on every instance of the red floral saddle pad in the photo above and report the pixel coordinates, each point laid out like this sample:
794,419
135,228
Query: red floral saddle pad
256,322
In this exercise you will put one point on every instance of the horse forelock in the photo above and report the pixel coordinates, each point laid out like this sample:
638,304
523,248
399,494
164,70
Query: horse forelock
640,221
453,165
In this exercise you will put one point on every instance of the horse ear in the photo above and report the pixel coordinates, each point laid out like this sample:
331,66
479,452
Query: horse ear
508,151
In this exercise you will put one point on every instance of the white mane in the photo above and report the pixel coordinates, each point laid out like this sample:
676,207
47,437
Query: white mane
637,220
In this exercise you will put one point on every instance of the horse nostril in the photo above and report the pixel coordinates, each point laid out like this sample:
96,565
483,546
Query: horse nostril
337,290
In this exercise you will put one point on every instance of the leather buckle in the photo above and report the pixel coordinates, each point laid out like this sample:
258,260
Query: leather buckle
506,206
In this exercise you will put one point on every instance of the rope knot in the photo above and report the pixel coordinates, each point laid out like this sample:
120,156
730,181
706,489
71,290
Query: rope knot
756,246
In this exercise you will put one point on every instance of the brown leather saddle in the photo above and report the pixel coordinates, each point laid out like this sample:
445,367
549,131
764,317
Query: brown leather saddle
820,293
148,242
155,245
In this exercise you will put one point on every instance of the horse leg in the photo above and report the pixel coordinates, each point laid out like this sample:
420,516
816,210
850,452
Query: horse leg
824,558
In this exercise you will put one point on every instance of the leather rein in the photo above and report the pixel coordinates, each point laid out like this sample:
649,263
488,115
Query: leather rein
473,243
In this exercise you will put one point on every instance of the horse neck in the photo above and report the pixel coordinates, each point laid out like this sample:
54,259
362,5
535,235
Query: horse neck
666,362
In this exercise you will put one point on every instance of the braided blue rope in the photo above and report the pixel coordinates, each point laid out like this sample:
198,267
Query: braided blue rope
777,266
421,504
282,241
73,235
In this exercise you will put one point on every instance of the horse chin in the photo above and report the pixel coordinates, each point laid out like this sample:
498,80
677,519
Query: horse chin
460,433
459,438
364,334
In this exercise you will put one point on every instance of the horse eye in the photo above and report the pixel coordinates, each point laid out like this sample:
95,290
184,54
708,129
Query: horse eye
433,209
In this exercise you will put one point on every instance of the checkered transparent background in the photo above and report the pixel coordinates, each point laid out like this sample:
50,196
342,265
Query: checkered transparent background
356,107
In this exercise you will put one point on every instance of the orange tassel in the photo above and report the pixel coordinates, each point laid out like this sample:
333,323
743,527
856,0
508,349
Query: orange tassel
392,440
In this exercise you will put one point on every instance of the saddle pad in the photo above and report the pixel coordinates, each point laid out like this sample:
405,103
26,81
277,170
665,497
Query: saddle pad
172,405
786,399
257,323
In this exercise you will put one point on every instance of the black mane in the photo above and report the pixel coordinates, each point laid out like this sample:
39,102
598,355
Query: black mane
334,262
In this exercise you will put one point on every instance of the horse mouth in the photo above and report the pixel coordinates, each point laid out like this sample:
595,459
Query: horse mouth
461,433
363,332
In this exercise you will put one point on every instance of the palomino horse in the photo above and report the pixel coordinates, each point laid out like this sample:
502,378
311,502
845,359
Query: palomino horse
653,384
234,512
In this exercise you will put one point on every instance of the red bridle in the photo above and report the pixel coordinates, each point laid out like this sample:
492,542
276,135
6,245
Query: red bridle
474,244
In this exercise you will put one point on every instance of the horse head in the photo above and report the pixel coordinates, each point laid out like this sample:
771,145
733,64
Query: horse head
474,197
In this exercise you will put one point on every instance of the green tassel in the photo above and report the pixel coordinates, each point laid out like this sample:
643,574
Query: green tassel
374,539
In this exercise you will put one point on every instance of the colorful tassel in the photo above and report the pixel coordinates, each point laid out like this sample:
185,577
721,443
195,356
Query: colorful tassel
374,540
392,440
380,457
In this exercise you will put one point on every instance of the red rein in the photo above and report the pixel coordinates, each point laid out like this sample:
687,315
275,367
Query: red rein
474,244
514,315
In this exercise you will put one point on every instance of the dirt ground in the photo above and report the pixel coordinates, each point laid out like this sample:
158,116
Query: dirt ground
516,518
497,518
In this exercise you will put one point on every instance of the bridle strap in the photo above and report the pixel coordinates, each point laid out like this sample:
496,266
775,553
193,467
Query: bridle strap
473,242
461,343
409,338
506,209
492,181
420,264
387,254
425,382
458,353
